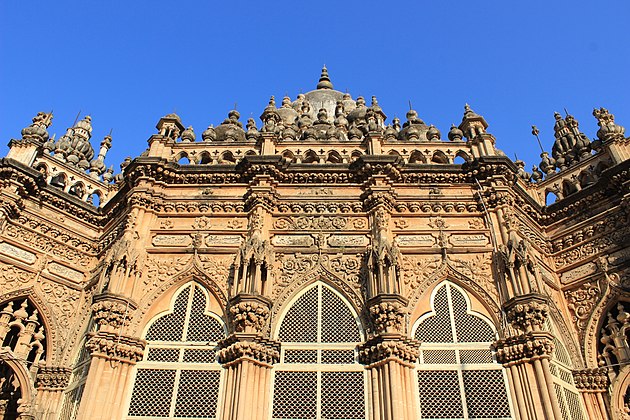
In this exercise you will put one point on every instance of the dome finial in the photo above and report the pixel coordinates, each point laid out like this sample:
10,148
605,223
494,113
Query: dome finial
324,80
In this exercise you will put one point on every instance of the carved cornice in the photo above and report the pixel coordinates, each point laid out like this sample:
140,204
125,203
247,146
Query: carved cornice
115,346
368,166
248,346
523,348
591,380
53,378
389,346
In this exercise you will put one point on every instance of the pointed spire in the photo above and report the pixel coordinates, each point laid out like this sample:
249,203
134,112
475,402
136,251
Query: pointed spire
324,80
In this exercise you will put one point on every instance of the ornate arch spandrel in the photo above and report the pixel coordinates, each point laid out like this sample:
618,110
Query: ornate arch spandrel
302,281
192,273
569,341
595,323
446,272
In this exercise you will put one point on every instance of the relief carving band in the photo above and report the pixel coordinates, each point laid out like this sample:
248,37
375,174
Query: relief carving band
468,240
318,259
348,240
293,240
171,240
18,253
227,240
415,240
63,271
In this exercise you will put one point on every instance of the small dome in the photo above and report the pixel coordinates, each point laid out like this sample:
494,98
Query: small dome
188,135
324,80
433,134
455,134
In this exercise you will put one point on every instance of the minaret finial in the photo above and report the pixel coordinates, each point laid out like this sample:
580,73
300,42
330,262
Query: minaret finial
324,80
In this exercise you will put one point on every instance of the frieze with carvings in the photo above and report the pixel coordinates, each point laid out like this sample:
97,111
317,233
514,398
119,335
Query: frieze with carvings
293,240
340,241
17,253
590,248
316,223
47,245
608,224
320,207
436,207
581,302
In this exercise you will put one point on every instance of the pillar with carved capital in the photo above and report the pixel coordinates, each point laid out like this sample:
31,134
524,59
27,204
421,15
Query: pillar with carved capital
51,381
388,355
390,360
113,355
246,354
525,354
593,386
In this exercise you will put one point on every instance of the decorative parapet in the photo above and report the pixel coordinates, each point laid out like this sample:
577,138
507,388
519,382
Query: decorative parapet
116,347
389,346
522,348
527,313
248,346
53,378
591,380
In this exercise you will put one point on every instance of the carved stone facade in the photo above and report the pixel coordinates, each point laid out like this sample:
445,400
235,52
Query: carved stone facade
324,264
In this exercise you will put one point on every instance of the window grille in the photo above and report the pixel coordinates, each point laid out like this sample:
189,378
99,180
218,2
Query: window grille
458,377
319,376
180,377
76,384
561,369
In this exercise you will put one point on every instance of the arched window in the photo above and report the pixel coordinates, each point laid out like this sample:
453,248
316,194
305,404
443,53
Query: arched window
458,377
179,376
319,376
561,368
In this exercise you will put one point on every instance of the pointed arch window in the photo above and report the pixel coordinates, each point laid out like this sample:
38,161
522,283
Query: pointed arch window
319,376
561,369
179,376
458,377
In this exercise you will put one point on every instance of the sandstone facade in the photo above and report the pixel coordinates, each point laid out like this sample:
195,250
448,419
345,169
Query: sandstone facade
324,265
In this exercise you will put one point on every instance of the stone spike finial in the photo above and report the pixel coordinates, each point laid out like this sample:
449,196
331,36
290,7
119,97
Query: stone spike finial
324,80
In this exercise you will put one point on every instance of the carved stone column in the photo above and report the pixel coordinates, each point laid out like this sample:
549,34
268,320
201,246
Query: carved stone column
388,355
113,355
246,354
593,386
525,355
248,359
390,360
51,381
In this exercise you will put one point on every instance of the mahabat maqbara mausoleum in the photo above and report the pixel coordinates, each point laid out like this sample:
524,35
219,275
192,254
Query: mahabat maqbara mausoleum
320,263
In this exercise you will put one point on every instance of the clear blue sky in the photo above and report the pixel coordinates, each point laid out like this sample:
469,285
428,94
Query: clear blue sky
126,63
